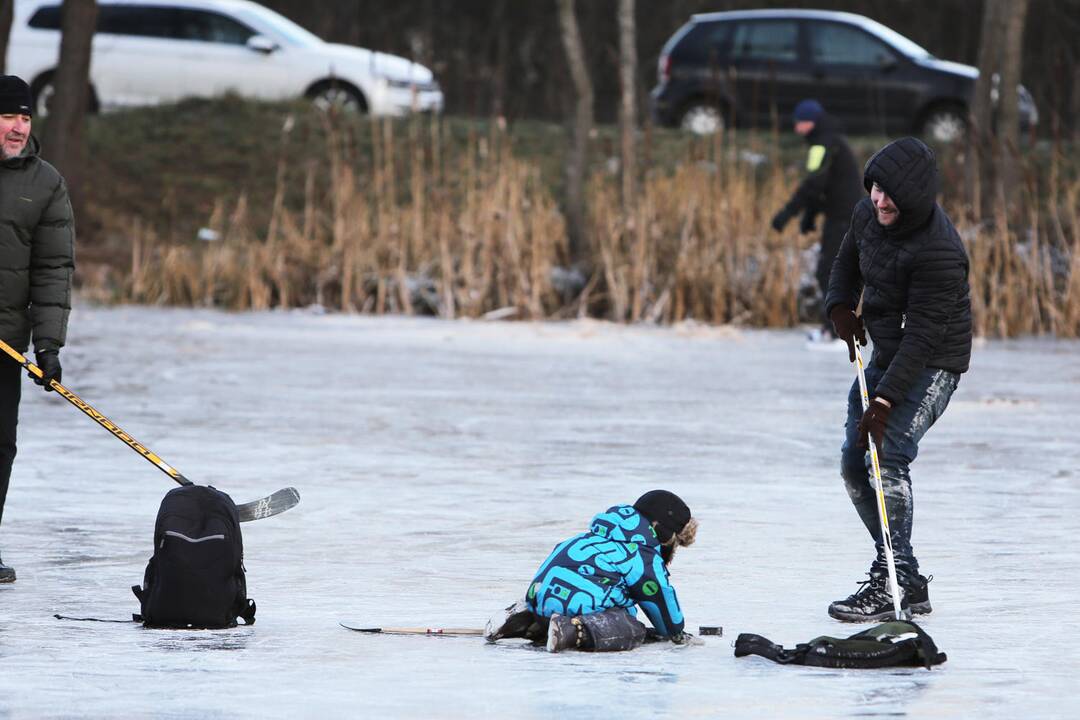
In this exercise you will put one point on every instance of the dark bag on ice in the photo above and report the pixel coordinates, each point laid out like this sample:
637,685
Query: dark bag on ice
195,578
890,644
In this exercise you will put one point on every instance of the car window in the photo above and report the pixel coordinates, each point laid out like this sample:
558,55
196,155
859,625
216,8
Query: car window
135,20
836,44
210,27
47,17
115,19
765,41
704,43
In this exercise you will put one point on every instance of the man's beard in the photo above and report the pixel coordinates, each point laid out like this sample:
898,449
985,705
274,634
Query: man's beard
6,155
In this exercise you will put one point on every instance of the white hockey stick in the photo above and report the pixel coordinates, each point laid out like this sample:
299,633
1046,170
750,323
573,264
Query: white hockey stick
883,513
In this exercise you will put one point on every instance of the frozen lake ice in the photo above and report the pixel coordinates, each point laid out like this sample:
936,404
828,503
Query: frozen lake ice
439,461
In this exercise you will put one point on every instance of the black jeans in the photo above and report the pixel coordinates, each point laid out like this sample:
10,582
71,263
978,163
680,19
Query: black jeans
10,395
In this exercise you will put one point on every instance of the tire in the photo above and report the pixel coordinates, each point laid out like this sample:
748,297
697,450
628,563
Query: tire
944,124
337,95
702,118
42,91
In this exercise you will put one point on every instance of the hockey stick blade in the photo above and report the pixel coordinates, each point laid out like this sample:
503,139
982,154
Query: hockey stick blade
444,632
275,504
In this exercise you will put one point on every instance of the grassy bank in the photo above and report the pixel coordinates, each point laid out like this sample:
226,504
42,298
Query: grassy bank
460,218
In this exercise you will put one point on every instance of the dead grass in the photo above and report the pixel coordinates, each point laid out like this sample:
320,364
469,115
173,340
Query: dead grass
436,223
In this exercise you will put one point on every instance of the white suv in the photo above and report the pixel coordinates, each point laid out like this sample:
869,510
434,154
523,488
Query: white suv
152,51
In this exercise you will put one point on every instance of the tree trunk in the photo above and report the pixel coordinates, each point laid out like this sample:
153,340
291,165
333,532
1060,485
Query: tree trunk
980,169
1008,130
628,107
581,127
63,143
7,8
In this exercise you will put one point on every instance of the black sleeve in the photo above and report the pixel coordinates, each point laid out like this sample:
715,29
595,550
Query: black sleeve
52,262
938,278
812,189
845,280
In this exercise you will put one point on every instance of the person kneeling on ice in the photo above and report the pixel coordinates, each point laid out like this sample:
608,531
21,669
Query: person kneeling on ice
583,595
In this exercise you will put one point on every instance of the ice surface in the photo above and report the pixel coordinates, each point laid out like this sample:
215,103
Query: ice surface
438,462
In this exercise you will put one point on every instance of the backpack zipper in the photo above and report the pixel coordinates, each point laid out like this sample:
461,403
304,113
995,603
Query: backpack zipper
182,536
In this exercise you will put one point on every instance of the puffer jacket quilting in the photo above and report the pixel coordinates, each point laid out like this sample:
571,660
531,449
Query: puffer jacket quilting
912,276
37,252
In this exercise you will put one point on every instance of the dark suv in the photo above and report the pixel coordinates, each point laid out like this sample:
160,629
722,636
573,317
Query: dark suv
749,67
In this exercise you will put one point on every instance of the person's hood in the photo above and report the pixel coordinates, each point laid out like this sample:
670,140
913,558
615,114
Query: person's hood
30,152
622,523
907,171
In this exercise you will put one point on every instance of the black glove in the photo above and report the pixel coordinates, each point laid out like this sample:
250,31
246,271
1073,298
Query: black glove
49,362
848,327
780,219
873,422
807,224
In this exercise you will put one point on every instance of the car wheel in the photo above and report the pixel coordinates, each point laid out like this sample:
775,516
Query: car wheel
42,92
702,119
945,125
337,96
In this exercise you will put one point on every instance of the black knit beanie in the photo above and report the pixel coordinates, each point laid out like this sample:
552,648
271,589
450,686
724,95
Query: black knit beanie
666,509
15,96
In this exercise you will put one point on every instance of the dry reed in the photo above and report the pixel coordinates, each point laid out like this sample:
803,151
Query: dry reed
412,227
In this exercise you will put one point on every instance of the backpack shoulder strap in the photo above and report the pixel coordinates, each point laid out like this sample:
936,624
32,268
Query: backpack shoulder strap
750,644
247,612
928,650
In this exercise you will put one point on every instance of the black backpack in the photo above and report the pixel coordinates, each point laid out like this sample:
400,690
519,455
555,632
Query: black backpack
890,644
195,578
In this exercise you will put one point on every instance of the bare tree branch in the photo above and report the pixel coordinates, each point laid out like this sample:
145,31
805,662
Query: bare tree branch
628,106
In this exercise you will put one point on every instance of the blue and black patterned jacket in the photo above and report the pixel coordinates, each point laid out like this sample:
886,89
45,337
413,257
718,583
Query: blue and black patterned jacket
617,563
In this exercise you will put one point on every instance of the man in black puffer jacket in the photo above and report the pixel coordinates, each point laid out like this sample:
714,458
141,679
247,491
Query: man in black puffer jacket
831,188
903,256
37,240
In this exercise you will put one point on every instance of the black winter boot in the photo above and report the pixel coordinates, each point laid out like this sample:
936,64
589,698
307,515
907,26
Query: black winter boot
566,633
516,621
872,602
917,594
7,573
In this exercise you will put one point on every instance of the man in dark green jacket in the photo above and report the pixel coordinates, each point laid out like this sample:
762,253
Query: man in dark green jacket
37,258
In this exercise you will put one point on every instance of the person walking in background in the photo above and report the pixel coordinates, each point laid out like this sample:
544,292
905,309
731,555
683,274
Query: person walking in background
831,187
583,595
905,260
37,259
